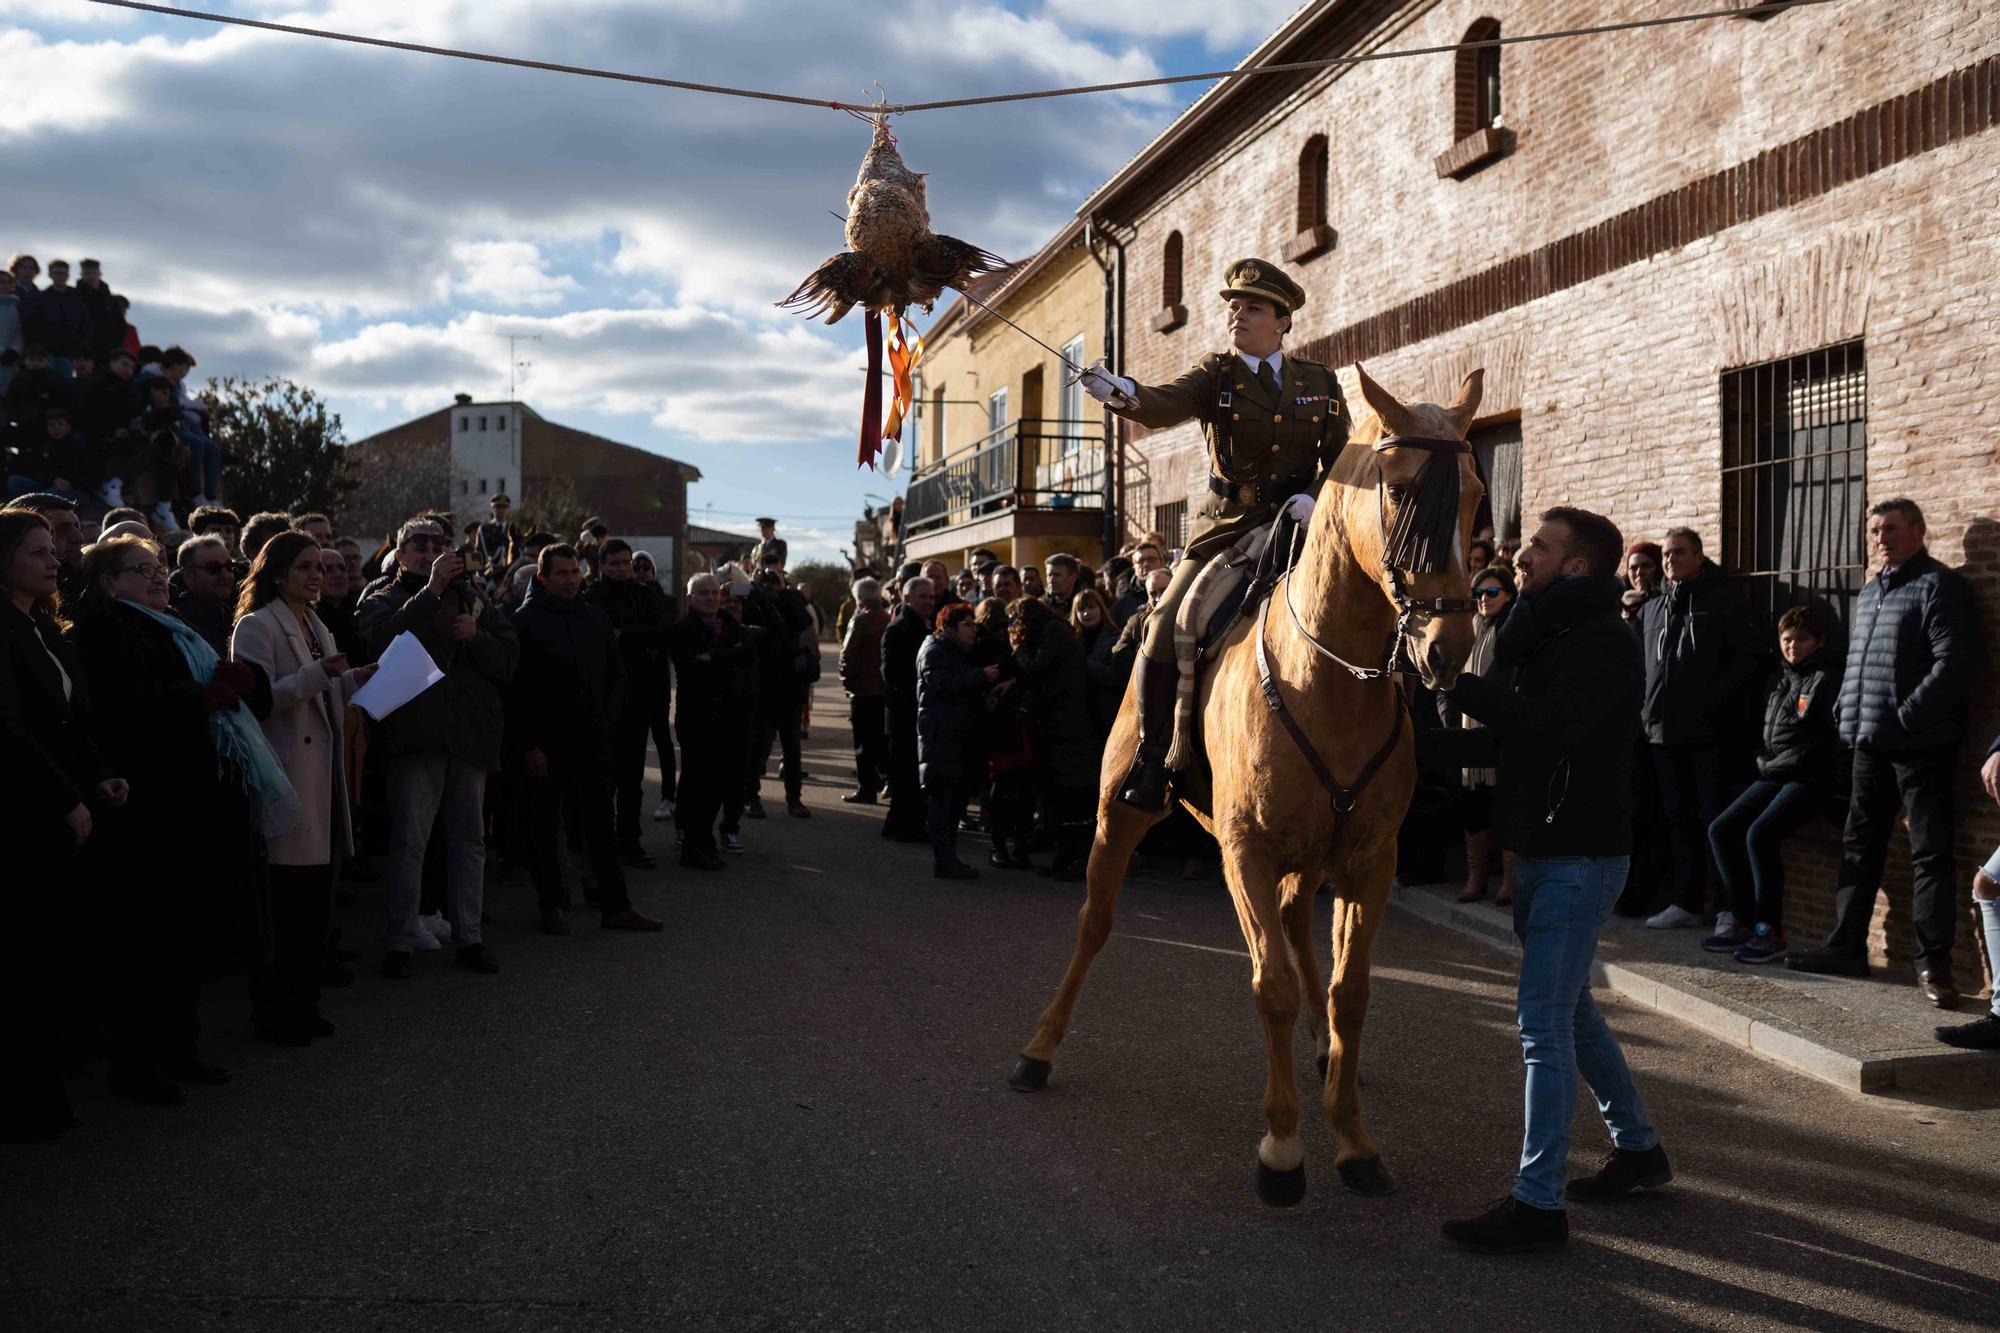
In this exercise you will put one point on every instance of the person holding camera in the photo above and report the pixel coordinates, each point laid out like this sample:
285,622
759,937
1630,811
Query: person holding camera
441,745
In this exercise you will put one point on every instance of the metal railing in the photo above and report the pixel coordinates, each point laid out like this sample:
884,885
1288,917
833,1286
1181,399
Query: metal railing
1045,464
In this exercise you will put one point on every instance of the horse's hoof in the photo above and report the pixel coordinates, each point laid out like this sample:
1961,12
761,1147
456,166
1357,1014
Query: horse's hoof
1030,1075
1367,1177
1280,1189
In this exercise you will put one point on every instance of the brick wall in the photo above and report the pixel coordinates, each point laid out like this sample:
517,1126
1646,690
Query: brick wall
1616,379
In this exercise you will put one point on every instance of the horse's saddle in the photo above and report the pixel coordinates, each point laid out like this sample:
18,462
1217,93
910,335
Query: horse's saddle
1228,588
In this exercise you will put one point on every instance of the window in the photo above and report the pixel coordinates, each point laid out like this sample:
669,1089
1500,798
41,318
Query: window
1497,450
500,422
1170,272
1476,90
937,422
482,487
1794,480
1313,166
465,423
1071,406
996,410
464,486
1170,521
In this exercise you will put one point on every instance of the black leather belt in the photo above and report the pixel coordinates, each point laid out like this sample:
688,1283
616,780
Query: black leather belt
1259,492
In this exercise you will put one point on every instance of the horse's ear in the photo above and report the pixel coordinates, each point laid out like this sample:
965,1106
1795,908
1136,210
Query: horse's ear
1394,415
1466,406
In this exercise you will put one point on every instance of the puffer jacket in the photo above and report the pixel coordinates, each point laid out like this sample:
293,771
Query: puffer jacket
949,694
1800,742
1912,655
1701,655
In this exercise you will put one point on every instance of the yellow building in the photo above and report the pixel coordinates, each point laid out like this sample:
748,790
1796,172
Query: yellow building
1009,454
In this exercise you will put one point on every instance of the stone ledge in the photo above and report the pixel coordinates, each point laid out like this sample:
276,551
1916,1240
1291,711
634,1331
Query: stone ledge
1478,149
1169,319
1311,243
1781,1022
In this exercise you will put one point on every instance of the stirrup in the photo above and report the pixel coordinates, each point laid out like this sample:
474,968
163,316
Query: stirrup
1145,786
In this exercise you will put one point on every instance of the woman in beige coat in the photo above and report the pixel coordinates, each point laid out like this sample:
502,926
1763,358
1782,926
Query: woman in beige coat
310,686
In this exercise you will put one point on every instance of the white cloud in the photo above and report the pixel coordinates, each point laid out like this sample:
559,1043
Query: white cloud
505,273
1232,28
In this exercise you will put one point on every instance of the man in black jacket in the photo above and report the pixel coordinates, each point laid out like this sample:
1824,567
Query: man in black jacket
568,688
709,649
1561,714
1701,655
640,616
1911,661
907,820
781,614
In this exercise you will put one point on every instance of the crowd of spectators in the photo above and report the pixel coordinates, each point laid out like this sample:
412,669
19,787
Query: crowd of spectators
1749,733
177,729
87,410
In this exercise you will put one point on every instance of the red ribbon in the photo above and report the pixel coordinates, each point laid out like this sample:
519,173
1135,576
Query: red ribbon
871,397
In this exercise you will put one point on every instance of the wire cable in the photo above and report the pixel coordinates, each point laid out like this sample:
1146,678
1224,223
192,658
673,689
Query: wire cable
901,108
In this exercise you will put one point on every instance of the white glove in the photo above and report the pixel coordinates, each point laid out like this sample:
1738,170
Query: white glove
1300,507
1107,388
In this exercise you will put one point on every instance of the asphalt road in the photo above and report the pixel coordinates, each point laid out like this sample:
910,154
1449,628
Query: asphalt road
790,1111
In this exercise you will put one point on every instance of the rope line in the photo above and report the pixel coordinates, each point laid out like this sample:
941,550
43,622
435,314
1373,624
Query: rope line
901,108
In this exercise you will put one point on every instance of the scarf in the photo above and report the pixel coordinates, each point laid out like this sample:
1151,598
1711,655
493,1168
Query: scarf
1550,612
239,741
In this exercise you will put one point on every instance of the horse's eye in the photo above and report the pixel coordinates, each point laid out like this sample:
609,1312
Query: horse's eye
1398,494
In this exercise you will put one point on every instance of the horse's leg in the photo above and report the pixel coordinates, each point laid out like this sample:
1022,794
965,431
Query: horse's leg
1119,828
1357,911
1253,885
1295,893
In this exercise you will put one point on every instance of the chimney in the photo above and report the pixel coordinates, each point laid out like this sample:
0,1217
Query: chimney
463,399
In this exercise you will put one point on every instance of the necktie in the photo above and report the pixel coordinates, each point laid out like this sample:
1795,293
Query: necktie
1268,378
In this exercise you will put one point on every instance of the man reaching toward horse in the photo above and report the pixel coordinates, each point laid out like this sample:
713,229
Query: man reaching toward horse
1561,708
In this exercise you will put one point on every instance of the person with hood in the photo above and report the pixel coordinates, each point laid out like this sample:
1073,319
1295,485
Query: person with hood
1558,711
561,704
1701,655
1797,764
440,746
951,695
908,630
1060,730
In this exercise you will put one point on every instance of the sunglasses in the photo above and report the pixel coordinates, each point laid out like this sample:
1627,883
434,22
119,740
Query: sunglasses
424,542
218,567
1488,591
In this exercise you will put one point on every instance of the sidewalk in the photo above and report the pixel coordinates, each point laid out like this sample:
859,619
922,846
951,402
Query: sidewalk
1871,1036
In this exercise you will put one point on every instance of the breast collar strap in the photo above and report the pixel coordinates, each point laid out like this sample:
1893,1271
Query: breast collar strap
1343,798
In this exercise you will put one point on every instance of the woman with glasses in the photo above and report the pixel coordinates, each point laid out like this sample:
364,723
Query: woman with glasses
278,629
178,722
55,788
1493,596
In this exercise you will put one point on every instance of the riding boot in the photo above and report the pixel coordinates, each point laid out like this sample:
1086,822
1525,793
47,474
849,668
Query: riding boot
1145,786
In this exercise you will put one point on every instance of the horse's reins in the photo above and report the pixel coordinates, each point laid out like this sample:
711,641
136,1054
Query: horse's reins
1408,608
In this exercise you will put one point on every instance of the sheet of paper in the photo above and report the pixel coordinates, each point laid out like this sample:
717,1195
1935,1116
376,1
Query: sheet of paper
404,672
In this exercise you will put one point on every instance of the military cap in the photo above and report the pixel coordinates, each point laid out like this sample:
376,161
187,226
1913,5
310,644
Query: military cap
1260,280
498,498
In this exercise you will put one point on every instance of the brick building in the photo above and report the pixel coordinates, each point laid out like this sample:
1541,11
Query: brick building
1736,274
509,448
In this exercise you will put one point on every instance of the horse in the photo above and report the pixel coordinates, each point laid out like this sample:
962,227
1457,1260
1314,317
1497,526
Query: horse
1289,711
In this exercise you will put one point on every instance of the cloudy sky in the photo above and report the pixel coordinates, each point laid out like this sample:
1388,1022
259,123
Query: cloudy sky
372,222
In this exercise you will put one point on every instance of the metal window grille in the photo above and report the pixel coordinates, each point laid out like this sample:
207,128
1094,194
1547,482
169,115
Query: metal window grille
1170,521
1795,480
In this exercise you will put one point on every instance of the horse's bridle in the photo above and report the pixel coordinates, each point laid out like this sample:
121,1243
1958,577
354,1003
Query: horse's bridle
1408,608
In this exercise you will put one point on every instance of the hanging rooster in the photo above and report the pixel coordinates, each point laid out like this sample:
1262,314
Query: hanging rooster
893,261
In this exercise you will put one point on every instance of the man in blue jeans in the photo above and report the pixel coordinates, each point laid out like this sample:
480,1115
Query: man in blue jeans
1560,710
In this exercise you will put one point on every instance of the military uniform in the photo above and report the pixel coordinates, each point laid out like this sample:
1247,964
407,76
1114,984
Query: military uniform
1268,440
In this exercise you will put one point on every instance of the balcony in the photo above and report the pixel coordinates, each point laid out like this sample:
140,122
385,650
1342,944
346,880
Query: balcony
1028,478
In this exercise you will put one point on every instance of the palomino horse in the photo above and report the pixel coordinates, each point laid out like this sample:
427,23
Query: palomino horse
1297,701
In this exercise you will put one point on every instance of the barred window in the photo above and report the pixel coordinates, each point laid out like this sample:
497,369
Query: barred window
1794,480
1170,521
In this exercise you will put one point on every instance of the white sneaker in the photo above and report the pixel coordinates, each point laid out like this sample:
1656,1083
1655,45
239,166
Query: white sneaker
426,942
163,514
663,811
112,493
1725,922
732,843
436,927
1675,917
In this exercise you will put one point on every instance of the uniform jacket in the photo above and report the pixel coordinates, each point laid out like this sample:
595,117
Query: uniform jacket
1910,660
464,713
1561,714
1701,654
1801,742
306,728
861,654
1292,441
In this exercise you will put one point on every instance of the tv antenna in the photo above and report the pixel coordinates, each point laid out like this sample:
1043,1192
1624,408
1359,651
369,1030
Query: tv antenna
514,363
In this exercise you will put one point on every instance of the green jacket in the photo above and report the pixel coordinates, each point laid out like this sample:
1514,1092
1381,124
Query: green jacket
1283,447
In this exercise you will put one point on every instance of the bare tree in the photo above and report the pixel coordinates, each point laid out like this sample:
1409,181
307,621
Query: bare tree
396,481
